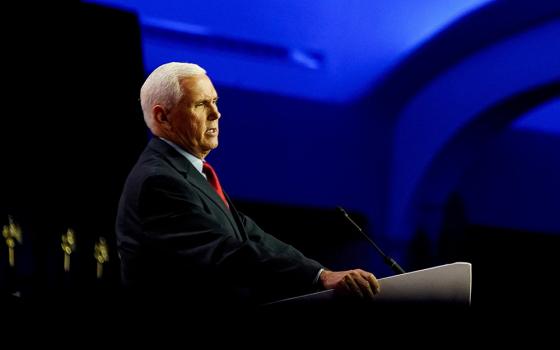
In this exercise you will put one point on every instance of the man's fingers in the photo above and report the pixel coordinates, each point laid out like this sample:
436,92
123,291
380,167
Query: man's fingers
353,285
359,282
366,286
373,282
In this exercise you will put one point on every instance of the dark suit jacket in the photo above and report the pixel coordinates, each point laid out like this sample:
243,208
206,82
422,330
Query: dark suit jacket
176,238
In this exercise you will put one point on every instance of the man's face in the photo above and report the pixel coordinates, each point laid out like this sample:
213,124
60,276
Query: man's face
195,118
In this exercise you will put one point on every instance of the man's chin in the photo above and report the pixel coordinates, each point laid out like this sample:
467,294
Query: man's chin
211,147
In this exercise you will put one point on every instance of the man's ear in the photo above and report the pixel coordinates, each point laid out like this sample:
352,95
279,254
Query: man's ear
161,117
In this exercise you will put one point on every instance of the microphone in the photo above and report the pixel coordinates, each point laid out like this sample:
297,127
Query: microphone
389,261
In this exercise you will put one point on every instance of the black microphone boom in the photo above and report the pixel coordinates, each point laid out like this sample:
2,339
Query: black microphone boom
389,261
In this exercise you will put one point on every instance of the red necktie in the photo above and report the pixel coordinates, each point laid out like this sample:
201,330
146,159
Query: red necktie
213,180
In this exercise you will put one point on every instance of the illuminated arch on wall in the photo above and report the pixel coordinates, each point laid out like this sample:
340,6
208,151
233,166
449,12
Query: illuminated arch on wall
445,171
439,106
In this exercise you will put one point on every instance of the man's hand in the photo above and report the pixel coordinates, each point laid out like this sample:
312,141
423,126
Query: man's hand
355,282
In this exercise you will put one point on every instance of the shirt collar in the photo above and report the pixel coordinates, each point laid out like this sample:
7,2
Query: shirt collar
195,161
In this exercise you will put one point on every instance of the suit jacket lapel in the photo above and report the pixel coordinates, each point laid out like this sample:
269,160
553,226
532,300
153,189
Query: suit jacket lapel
197,180
237,218
193,177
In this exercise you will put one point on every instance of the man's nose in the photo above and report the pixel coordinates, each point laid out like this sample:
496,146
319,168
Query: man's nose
214,112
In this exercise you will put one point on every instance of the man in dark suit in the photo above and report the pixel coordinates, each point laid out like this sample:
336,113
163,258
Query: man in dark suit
179,235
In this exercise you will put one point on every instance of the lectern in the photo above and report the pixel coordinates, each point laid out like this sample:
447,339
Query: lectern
448,284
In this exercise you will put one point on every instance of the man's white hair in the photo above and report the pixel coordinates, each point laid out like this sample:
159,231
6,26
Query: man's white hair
163,86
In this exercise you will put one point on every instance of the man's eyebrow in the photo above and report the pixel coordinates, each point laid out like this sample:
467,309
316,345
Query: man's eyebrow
205,99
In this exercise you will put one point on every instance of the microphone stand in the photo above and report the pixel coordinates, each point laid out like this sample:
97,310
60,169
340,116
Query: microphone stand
388,260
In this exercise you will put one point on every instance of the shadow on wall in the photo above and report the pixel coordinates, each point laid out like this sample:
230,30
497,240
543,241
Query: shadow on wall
323,234
512,269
